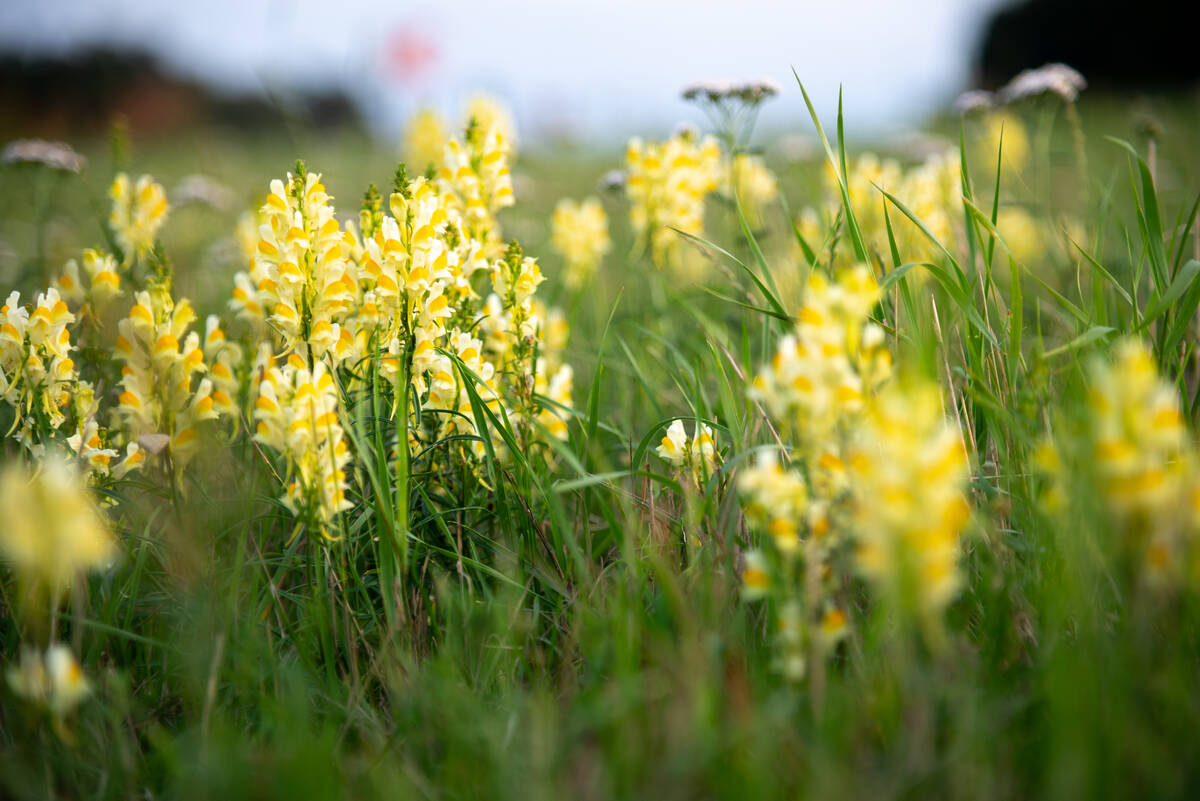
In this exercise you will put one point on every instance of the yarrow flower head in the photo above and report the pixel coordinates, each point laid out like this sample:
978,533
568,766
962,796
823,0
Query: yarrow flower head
749,92
55,155
1055,78
974,100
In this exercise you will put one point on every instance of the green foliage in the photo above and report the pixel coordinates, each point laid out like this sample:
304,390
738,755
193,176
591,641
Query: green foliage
566,622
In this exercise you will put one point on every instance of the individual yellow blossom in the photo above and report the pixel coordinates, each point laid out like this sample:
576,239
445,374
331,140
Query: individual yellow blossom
53,530
138,211
834,628
579,231
697,455
52,680
103,280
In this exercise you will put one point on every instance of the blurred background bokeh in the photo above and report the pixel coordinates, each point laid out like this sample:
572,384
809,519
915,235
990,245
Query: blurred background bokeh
591,70
216,98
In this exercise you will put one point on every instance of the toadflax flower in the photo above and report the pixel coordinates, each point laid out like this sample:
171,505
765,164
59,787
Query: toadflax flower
296,414
52,680
579,231
697,455
908,469
53,530
138,211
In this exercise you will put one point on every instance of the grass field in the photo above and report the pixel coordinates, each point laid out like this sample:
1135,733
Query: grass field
835,476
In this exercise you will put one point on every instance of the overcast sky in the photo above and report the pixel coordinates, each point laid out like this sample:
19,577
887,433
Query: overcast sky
599,68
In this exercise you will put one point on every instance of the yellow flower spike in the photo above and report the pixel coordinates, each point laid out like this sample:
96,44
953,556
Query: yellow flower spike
909,468
138,212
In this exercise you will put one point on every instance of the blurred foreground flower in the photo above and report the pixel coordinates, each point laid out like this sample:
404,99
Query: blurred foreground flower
53,529
909,470
54,680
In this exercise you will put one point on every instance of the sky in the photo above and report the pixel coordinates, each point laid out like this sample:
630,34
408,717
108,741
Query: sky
592,68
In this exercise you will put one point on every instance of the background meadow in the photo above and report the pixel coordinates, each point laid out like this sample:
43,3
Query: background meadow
802,464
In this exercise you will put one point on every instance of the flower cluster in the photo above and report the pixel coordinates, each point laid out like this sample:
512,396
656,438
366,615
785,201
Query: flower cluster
475,173
404,295
908,469
863,462
37,372
298,282
1058,79
579,231
102,285
931,190
822,373
162,405
817,388
425,135
753,184
667,183
697,457
138,211
1144,464
296,413
55,155
751,92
